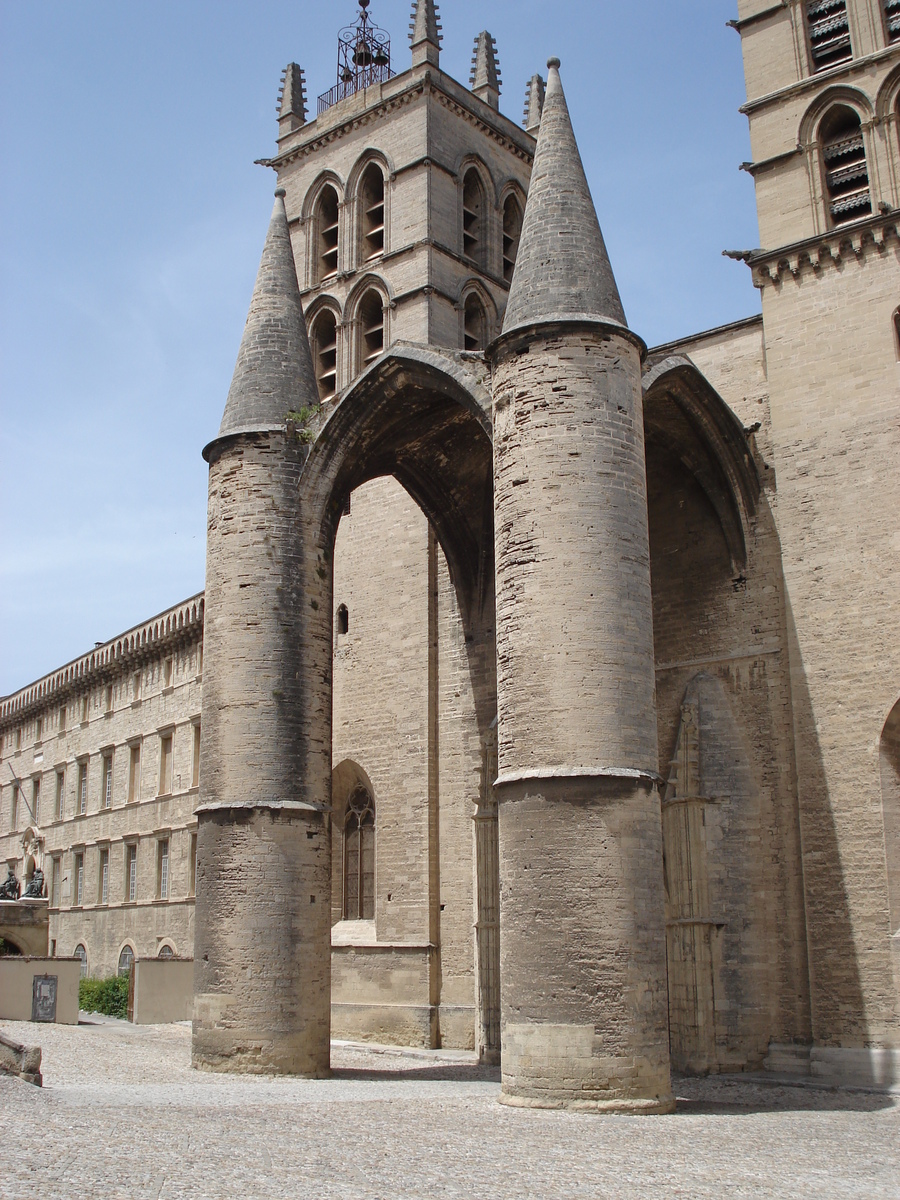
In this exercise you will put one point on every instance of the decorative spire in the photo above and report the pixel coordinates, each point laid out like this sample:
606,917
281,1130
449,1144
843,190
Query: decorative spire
425,33
562,269
274,372
291,99
485,77
534,104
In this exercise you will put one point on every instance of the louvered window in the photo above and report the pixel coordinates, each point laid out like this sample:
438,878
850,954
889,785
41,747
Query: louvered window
327,234
325,353
371,333
475,337
829,33
512,232
371,195
892,20
846,170
473,217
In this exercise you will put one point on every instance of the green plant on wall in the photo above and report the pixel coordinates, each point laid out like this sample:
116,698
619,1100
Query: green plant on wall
298,421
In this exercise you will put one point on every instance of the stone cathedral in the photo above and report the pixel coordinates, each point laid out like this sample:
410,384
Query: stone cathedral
544,698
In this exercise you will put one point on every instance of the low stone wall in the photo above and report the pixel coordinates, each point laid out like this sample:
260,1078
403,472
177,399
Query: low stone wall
26,924
17,989
23,1062
163,991
380,993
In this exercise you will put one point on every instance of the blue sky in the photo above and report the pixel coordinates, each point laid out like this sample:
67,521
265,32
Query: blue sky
132,219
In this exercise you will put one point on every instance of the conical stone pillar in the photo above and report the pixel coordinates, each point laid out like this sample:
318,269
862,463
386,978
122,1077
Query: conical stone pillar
262,935
582,935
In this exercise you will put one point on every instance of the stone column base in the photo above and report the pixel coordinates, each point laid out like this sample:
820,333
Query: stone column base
634,1108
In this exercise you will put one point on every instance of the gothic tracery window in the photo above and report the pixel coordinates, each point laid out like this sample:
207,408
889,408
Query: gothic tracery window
359,857
846,169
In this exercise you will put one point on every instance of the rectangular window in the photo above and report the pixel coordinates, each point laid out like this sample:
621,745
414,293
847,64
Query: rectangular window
79,879
109,697
60,795
193,866
892,20
104,877
39,729
62,719
168,672
135,687
162,874
36,801
200,659
107,780
131,873
85,709
134,775
165,764
195,764
14,808
82,788
829,33
55,874
19,738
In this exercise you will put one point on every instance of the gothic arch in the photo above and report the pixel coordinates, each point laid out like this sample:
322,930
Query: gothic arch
356,183
477,209
324,321
473,288
359,314
888,97
324,230
841,94
683,412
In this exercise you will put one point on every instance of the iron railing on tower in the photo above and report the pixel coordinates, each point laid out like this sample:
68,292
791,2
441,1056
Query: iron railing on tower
364,58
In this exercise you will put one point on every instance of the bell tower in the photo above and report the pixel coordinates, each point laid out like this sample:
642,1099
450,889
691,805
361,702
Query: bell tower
823,102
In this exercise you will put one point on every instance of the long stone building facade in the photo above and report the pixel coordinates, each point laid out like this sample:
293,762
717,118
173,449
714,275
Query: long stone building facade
551,694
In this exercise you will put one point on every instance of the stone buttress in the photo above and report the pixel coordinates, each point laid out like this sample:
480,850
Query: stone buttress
583,953
262,951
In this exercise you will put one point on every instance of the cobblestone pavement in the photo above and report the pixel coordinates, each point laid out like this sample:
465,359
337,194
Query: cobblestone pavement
122,1114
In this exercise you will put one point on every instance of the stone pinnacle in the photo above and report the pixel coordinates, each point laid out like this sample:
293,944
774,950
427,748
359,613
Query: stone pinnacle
274,372
562,271
425,32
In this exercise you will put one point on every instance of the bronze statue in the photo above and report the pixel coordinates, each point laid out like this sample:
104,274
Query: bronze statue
35,888
9,889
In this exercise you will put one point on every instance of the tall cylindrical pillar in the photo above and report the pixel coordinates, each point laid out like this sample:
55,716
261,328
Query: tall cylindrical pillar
582,935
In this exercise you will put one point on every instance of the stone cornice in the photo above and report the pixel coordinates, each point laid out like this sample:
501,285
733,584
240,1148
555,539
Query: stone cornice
177,626
816,254
819,81
416,88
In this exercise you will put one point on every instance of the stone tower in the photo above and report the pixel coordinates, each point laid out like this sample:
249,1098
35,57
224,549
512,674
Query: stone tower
262,982
823,88
580,833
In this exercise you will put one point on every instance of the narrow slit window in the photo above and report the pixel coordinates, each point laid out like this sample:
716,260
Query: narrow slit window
846,169
162,889
896,325
134,775
371,327
195,760
829,33
512,232
131,873
892,20
14,808
473,217
103,887
327,234
475,336
55,875
60,795
36,801
62,719
343,619
325,353
359,857
82,788
107,781
371,197
165,764
79,879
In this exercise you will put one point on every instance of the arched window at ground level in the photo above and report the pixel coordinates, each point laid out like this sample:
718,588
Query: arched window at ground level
126,959
81,955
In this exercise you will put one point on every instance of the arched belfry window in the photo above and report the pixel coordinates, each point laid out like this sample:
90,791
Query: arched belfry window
475,336
829,33
474,214
326,234
512,232
371,328
371,212
359,857
324,349
892,20
846,169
